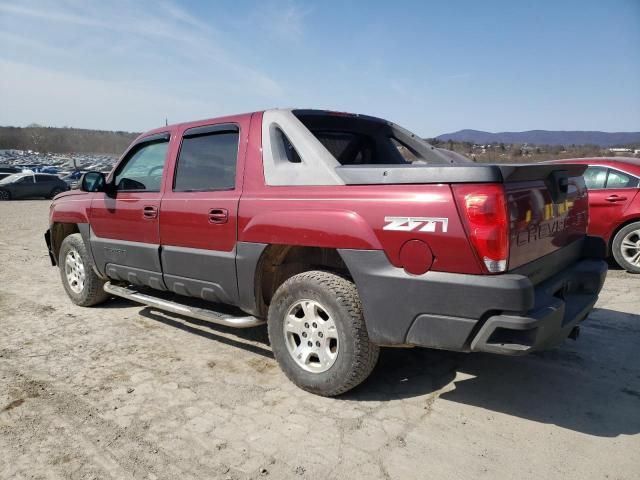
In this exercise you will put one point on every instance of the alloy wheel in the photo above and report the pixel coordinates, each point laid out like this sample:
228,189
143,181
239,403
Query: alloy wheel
630,247
311,336
74,270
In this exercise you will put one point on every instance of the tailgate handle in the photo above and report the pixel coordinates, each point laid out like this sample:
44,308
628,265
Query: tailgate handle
615,198
218,215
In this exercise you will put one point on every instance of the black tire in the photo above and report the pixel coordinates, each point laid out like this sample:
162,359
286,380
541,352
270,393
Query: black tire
92,292
4,195
55,192
355,357
623,253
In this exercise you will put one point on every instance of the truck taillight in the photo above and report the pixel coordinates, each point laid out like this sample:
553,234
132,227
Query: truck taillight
483,208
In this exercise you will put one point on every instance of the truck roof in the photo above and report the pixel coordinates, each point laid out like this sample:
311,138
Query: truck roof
237,117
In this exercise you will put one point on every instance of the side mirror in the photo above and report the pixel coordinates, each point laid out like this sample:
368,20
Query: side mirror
93,182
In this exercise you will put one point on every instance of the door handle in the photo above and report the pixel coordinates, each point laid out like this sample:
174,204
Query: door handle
218,215
150,212
615,198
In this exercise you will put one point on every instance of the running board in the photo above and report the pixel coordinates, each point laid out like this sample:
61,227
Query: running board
181,309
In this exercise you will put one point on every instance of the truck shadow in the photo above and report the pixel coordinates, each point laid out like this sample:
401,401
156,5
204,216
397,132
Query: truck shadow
591,386
250,339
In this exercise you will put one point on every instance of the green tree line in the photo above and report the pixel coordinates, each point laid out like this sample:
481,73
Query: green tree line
64,140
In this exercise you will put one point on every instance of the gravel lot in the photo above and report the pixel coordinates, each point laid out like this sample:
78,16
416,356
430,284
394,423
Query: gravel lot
122,391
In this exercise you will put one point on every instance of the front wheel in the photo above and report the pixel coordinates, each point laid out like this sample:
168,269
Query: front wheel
626,247
81,283
4,195
318,333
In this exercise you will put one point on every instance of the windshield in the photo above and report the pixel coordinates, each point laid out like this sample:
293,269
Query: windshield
11,178
364,140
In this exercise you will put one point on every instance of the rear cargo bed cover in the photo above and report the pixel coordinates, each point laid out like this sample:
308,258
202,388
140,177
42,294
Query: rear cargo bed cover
474,173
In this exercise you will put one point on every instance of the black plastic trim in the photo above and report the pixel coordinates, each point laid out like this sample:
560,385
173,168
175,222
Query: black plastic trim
47,240
202,273
135,276
398,174
392,298
440,331
137,255
562,302
460,312
156,137
85,232
247,259
208,129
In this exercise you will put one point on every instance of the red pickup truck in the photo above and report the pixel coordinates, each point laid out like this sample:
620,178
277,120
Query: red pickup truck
341,232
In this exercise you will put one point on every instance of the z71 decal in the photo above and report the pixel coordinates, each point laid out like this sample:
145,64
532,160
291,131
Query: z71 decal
420,224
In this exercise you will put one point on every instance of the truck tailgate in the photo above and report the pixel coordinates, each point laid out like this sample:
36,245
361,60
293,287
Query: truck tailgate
548,210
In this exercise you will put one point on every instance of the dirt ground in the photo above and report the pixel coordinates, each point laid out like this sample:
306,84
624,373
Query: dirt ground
122,391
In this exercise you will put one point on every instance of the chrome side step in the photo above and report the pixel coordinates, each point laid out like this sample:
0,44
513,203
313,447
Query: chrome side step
181,309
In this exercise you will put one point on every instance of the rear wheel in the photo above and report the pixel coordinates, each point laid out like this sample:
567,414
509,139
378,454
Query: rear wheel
626,247
81,283
55,192
318,334
4,195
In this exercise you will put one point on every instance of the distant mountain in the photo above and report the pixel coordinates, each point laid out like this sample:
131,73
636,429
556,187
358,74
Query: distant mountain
545,137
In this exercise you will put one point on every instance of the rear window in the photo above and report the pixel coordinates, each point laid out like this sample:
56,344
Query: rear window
207,162
287,147
363,140
618,179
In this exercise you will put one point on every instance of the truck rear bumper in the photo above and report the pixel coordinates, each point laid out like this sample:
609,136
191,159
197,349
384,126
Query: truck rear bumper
504,314
562,302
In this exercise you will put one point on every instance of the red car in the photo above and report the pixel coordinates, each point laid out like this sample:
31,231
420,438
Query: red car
614,206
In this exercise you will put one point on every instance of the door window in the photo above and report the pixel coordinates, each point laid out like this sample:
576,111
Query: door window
617,179
27,179
207,161
595,177
142,170
43,178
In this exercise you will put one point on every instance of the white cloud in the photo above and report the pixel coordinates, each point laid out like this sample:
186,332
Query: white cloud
32,94
112,55
283,18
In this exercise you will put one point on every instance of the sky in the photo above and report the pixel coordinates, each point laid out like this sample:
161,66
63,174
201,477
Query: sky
432,67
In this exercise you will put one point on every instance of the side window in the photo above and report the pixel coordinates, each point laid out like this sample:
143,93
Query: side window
43,178
143,169
287,147
618,179
595,177
207,162
26,179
